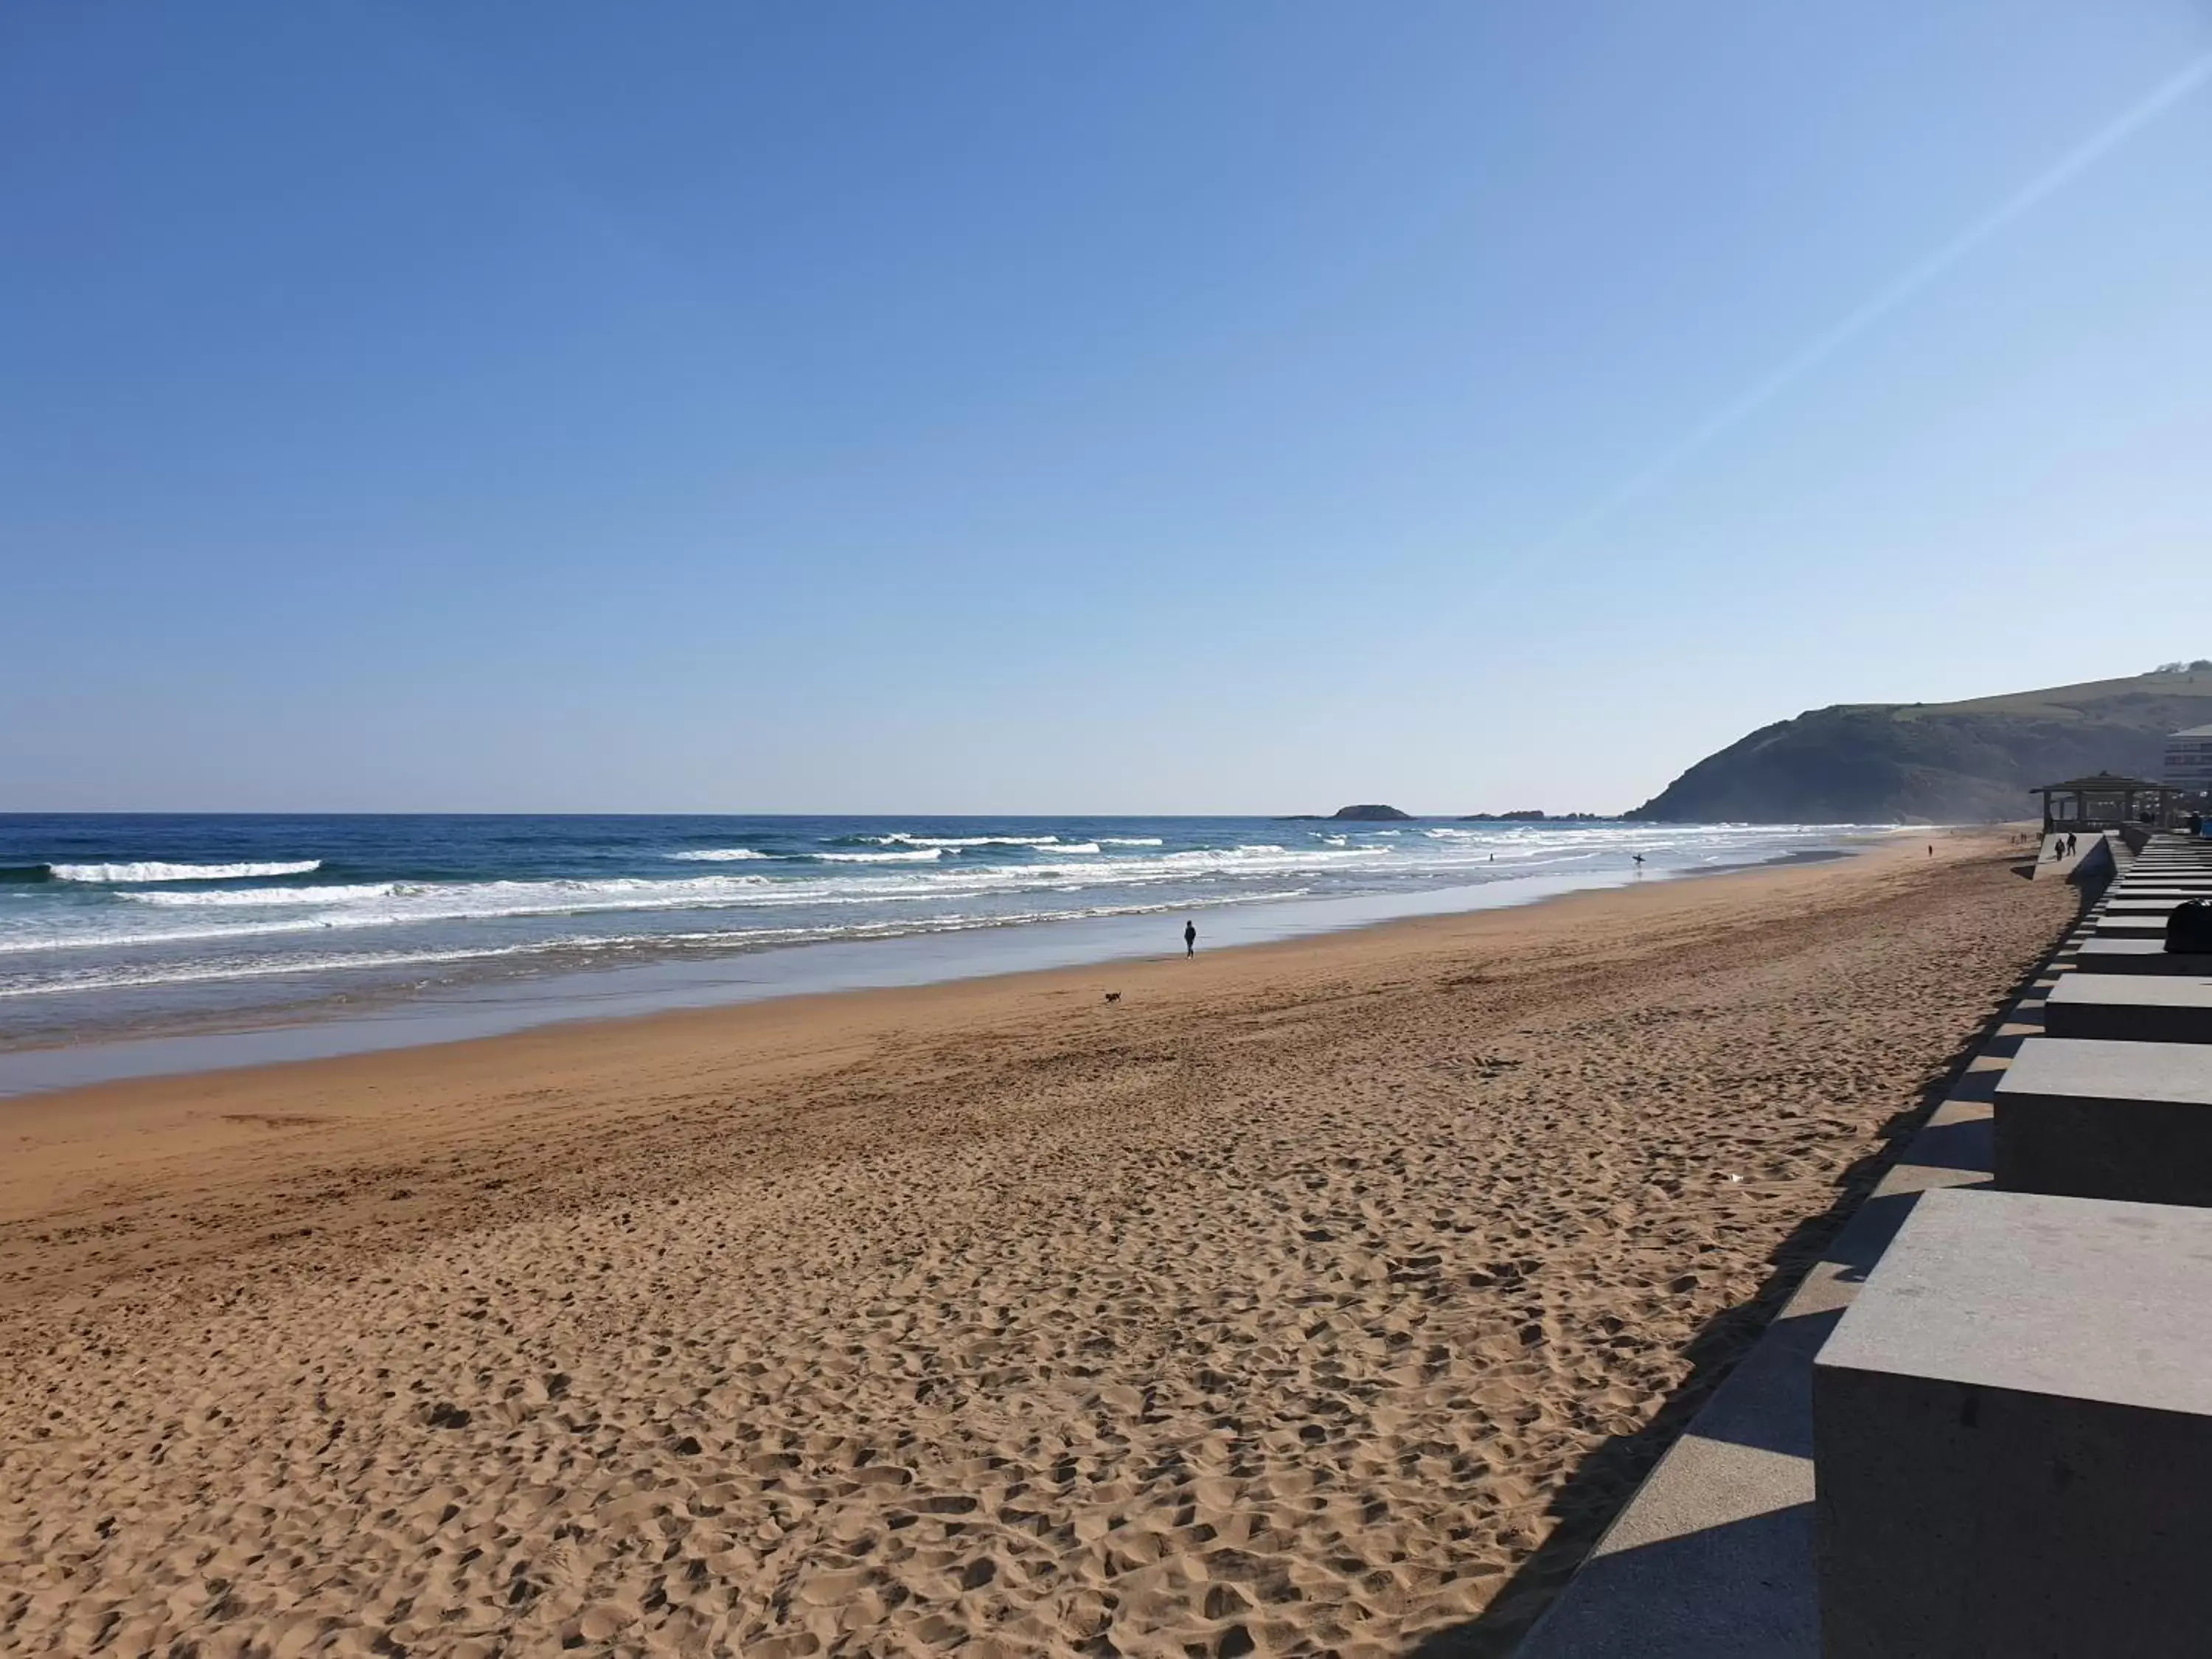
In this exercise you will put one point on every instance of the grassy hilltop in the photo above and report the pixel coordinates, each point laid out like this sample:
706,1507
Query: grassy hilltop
1939,762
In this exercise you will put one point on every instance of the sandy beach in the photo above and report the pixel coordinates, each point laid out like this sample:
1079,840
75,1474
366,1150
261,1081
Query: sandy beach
1311,1299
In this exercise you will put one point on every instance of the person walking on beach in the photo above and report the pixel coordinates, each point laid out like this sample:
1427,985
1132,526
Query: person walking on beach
1190,939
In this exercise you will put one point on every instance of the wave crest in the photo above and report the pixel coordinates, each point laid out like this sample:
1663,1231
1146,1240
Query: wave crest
904,838
155,870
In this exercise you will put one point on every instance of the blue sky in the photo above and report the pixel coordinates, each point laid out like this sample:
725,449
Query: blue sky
1252,406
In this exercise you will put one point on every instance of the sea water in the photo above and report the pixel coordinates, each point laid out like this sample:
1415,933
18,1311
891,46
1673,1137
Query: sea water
130,926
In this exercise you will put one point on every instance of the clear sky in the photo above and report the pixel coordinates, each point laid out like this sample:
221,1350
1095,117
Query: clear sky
1249,406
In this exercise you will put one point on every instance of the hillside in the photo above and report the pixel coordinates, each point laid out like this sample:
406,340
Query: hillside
1936,763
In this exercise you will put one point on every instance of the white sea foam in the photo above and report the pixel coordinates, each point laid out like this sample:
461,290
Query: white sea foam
133,977
140,975
157,871
445,900
123,939
240,914
718,855
1131,841
903,885
1262,853
247,913
260,898
901,838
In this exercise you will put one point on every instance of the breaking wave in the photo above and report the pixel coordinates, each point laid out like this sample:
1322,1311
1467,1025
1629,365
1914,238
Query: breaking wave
901,838
112,874
404,908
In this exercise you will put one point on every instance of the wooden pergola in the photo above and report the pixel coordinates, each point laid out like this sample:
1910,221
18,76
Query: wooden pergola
2103,802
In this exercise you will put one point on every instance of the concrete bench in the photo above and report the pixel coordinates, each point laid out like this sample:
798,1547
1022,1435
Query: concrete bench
2136,956
2129,1008
2013,1428
2100,1119
2129,924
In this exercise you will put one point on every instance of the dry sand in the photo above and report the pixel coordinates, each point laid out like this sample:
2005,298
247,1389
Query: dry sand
1272,1307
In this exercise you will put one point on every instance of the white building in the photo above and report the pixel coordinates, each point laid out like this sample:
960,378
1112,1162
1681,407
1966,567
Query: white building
2188,760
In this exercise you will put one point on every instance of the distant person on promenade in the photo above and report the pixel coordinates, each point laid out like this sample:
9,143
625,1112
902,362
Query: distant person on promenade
1190,939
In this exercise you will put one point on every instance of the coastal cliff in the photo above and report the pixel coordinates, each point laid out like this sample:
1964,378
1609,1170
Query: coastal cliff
1953,763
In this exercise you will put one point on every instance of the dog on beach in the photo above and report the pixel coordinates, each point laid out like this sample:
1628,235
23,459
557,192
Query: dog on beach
1113,996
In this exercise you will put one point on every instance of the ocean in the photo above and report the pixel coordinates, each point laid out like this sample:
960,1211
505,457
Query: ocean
122,928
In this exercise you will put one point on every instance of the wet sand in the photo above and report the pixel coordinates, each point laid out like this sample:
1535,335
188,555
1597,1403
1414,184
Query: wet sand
1271,1307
